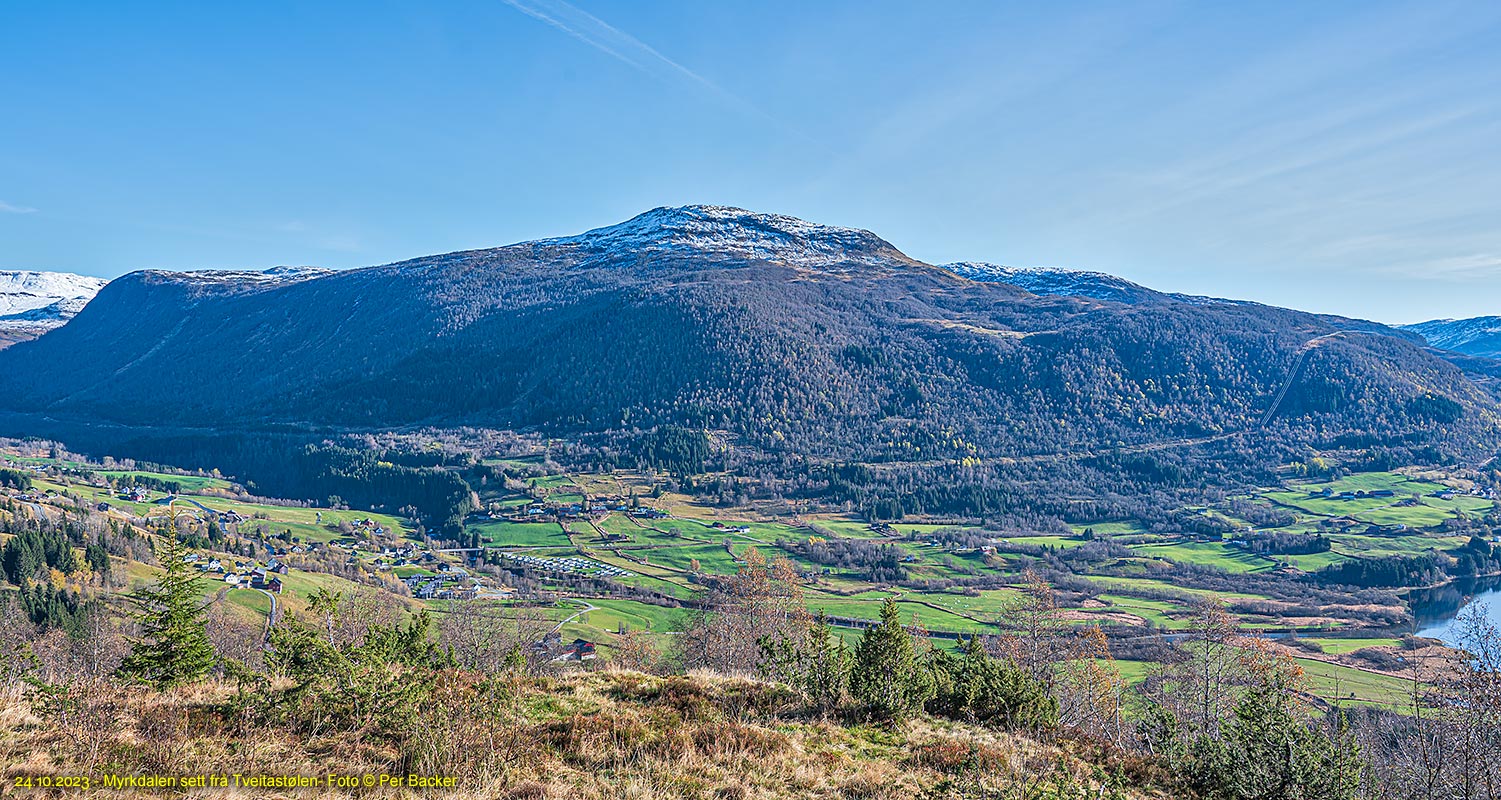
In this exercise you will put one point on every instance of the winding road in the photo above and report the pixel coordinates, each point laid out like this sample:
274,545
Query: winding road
271,619
588,607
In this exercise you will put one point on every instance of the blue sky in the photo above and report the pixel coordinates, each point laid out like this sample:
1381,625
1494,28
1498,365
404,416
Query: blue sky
1331,156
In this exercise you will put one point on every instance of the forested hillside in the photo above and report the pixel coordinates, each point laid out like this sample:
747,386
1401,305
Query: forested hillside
788,341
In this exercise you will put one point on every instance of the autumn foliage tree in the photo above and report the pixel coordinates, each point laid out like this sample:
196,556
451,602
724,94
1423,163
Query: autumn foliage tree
762,601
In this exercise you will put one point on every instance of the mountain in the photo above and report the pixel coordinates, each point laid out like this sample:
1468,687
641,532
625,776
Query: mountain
1059,281
1476,336
795,342
1064,282
32,303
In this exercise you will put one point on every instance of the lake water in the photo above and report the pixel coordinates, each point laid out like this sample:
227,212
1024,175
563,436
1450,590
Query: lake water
1434,610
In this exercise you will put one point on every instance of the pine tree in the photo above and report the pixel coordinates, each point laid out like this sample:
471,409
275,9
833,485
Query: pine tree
174,647
887,677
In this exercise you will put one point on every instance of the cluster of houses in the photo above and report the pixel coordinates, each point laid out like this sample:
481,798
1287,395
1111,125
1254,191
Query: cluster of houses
591,508
1442,494
442,585
1328,493
403,555
568,566
246,574
367,524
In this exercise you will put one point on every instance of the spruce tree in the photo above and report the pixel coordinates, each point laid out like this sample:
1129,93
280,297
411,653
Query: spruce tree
888,678
174,647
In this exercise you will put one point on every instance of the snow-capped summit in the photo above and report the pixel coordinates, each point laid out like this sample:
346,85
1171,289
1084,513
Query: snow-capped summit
699,229
43,299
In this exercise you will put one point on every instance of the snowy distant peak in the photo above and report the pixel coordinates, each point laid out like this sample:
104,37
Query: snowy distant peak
44,299
1058,281
272,275
239,279
734,231
1476,336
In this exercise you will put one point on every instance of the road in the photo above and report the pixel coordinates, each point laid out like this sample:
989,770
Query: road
588,607
270,620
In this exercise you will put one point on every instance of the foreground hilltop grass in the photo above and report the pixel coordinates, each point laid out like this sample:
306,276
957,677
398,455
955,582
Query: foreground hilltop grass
610,734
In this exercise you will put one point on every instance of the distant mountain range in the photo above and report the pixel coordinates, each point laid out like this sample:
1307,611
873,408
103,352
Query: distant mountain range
1476,336
791,339
32,303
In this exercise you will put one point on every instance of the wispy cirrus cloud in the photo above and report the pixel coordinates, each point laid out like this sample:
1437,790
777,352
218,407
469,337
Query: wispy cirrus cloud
7,208
627,49
1472,267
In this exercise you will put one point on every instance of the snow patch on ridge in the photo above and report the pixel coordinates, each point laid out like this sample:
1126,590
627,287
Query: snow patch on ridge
733,231
1057,281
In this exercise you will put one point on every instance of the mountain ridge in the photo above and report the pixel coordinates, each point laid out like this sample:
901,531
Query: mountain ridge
798,341
1471,336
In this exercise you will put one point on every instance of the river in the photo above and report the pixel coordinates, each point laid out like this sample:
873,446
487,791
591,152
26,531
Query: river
1434,610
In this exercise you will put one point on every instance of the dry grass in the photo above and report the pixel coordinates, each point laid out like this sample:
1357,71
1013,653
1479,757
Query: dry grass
609,734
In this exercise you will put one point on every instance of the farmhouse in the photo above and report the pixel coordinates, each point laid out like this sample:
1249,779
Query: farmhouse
578,650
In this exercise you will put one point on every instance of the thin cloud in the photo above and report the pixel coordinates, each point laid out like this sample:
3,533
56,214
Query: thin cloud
7,208
1473,267
623,47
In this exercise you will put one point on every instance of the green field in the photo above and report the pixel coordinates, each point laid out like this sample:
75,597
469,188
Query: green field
1347,685
610,615
1208,554
1060,542
1116,528
711,558
1158,584
520,534
1156,612
550,482
991,605
189,483
1315,561
868,606
250,599
1341,647
1428,512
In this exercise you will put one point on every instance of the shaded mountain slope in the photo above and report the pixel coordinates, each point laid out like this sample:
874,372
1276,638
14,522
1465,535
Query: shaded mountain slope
789,336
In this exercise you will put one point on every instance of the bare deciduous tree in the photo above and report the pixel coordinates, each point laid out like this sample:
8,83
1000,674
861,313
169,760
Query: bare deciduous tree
762,600
487,636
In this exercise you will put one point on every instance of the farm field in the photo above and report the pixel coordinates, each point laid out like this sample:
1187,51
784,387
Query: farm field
868,606
990,604
520,534
1336,683
941,585
1110,528
1209,554
1159,585
1339,647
